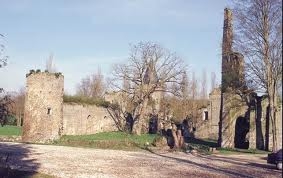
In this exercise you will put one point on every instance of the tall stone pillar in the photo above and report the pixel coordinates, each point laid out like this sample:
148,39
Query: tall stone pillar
232,106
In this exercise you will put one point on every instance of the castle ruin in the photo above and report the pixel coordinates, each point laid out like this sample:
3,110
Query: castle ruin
236,121
47,117
43,107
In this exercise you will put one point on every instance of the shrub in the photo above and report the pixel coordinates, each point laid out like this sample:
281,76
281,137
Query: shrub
85,100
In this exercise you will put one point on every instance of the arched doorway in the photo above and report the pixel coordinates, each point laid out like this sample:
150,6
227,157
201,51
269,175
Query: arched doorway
241,129
153,124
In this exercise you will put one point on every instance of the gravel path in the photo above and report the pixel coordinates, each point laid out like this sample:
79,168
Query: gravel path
61,161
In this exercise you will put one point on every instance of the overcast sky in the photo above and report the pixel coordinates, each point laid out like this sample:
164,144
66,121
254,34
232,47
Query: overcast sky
86,34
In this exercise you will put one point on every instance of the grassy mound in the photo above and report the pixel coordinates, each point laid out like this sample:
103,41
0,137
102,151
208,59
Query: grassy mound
108,140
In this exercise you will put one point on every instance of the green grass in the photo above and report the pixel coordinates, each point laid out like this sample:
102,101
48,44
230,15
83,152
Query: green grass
108,140
9,130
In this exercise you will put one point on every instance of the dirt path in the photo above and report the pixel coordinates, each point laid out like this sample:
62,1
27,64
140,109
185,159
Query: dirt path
62,161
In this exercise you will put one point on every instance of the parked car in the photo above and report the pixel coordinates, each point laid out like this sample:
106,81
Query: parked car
275,158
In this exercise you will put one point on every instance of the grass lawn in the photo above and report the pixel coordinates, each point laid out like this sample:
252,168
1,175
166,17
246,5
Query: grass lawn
9,130
108,140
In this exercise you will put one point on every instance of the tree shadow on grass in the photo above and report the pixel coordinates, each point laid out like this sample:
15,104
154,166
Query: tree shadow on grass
15,162
209,143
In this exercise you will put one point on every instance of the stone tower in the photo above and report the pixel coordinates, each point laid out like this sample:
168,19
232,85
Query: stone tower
43,120
231,107
227,39
232,62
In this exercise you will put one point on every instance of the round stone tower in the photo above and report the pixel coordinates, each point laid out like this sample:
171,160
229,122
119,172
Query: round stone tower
43,119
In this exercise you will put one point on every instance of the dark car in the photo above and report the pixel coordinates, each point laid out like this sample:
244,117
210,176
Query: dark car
275,158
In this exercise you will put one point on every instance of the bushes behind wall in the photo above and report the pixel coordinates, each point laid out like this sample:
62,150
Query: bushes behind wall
85,100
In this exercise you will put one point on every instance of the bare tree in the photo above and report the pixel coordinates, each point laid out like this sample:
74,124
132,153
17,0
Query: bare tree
213,80
5,99
204,85
3,58
92,86
259,38
83,88
194,87
150,68
50,66
18,105
98,85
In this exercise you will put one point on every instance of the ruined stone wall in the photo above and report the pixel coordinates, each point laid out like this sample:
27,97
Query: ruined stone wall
279,126
263,128
79,119
202,129
233,108
213,113
43,107
208,127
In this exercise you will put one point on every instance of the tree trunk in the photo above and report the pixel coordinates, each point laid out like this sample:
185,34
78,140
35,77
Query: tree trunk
140,118
267,126
177,136
259,133
273,104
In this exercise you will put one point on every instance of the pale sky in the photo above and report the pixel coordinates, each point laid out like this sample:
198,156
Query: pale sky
86,34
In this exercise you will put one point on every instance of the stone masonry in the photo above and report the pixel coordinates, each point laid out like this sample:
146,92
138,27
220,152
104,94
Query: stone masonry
81,119
43,107
47,117
242,120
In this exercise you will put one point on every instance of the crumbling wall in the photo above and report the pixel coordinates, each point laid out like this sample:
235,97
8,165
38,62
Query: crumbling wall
265,129
233,108
81,119
213,113
207,126
43,107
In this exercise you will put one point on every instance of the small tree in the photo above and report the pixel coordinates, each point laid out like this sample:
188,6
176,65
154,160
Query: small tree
5,99
92,86
5,102
17,107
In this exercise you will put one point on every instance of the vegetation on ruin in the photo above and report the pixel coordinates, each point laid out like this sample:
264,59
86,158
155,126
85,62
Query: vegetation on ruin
85,100
108,140
9,130
57,74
